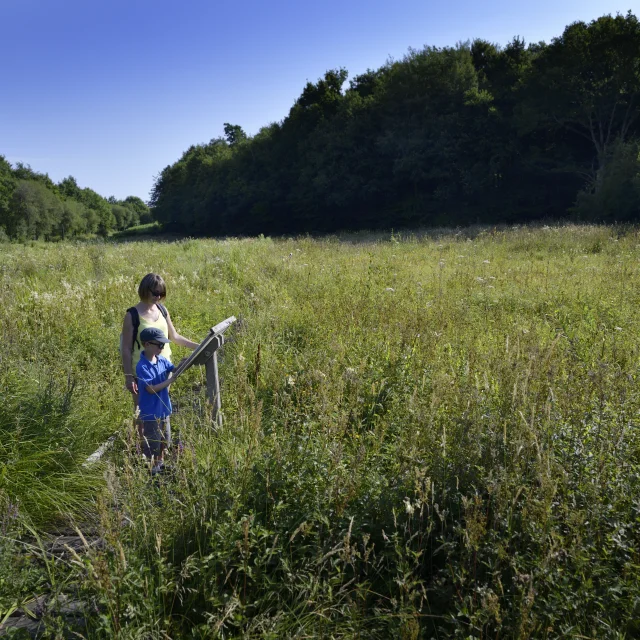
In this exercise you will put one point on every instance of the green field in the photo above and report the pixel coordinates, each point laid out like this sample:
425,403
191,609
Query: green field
427,436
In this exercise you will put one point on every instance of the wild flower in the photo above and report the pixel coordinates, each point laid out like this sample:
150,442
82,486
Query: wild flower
350,374
408,507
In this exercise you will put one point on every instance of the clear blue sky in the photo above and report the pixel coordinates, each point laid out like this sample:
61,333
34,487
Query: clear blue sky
112,91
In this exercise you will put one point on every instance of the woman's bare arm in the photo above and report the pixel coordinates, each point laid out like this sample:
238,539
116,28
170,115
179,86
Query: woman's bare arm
127,353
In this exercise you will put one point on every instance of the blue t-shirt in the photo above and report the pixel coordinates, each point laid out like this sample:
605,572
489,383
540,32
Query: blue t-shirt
153,405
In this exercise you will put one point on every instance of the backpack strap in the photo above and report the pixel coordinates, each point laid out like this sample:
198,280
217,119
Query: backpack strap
163,310
135,320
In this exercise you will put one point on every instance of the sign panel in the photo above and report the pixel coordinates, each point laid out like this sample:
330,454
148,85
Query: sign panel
206,348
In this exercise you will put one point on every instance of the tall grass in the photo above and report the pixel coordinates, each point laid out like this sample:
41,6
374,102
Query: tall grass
424,436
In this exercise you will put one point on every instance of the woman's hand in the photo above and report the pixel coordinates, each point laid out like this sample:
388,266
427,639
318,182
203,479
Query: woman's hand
131,385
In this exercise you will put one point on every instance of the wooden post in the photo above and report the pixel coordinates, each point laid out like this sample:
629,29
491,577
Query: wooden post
213,381
206,354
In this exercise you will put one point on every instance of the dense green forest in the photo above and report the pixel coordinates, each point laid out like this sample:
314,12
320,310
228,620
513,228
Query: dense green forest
32,206
445,136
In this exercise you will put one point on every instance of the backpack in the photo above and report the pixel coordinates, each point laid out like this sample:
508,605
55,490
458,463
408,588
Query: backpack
135,319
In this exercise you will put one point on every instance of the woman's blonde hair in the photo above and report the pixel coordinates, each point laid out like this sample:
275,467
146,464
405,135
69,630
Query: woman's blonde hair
150,283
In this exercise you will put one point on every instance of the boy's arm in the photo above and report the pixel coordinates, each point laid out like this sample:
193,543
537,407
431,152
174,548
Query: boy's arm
146,378
154,388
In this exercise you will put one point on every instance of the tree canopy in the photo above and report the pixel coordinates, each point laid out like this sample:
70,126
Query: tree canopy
32,206
446,136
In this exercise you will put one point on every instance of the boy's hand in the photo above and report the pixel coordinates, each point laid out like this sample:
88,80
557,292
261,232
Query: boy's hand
131,385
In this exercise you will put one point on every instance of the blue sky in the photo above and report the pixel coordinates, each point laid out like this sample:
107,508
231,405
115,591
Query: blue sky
112,91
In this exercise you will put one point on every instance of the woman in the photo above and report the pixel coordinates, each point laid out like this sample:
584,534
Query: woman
151,313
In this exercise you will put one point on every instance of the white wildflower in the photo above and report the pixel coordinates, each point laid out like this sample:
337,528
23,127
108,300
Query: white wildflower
350,374
408,506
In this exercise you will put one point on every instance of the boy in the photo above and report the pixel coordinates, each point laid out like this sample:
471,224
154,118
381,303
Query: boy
154,377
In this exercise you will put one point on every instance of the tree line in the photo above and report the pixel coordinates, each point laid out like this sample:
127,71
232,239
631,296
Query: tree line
32,207
446,136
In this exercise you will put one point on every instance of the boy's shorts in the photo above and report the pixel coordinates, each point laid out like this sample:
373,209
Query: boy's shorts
156,436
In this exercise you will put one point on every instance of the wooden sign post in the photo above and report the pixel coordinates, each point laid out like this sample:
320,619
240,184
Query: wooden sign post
206,354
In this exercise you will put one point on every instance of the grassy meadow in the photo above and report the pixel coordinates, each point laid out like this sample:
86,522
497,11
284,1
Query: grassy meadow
427,436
